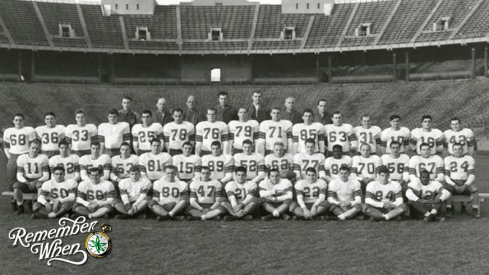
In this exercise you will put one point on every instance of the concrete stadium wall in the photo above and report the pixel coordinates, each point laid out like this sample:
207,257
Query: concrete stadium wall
198,68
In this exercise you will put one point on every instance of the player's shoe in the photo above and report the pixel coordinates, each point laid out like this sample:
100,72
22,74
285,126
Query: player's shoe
267,218
37,216
179,218
13,206
20,209
325,218
439,219
248,218
163,218
476,213
429,218
286,217
296,218
450,212
28,206
229,218
463,209
142,217
217,218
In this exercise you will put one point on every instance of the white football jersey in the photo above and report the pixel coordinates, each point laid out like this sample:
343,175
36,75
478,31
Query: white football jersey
332,166
384,192
219,165
311,191
389,135
17,140
241,131
143,135
53,191
240,191
433,138
459,168
464,137
344,191
253,163
341,135
280,189
102,162
70,164
425,192
205,191
89,191
32,168
301,132
50,137
81,136
134,189
114,134
275,131
434,164
187,166
121,167
302,161
154,165
366,167
398,167
177,134
207,132
284,163
371,136
167,192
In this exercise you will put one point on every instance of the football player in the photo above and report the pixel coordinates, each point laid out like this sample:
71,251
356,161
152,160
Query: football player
95,159
278,195
332,164
70,162
365,166
383,199
122,163
188,164
340,133
16,142
425,161
398,165
426,197
134,195
81,134
143,133
309,159
460,177
178,132
170,196
308,130
311,197
431,136
242,196
281,161
253,162
395,133
94,196
345,195
275,130
112,134
210,131
366,133
32,172
242,129
463,136
221,166
50,135
152,164
57,196
205,197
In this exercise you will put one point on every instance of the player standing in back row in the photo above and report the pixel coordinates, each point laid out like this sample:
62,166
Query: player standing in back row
273,131
340,133
395,133
209,131
81,134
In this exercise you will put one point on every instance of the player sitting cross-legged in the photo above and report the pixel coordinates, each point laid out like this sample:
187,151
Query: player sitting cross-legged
311,197
57,196
278,195
242,201
205,197
345,195
134,195
383,200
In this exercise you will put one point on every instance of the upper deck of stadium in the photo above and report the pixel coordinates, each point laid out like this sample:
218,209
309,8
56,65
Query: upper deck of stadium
246,29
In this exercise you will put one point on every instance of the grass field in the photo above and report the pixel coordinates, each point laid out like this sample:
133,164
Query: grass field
458,246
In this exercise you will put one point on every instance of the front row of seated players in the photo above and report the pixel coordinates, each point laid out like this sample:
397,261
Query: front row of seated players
95,197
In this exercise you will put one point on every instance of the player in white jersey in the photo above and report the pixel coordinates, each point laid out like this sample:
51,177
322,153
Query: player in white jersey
143,133
70,162
395,133
309,129
50,135
345,195
57,196
16,142
122,163
205,197
332,164
460,177
275,130
178,132
242,129
463,136
340,133
94,196
209,131
95,159
426,197
281,161
398,165
311,197
152,164
309,159
242,196
170,196
253,162
383,199
221,165
365,166
134,195
32,172
368,134
432,163
113,133
433,137
81,134
278,195
188,164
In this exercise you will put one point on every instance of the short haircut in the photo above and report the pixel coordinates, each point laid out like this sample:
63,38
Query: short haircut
456,118
345,167
365,115
212,109
59,168
128,98
63,142
384,169
36,141
205,168
457,144
19,114
223,93
337,146
96,143
392,117
216,143
310,169
394,143
244,108
155,140
49,114
172,167
322,99
278,143
365,144
257,92
134,168
187,143
273,170
177,110
424,171
95,169
423,145
247,141
79,111
426,117
307,110
240,169
276,108
114,112
336,113
310,140
126,144
147,112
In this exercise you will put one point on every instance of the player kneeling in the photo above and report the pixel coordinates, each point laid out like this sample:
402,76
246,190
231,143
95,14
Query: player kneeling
94,197
311,197
170,196
345,195
205,197
383,199
134,195
426,197
278,195
57,196
242,200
